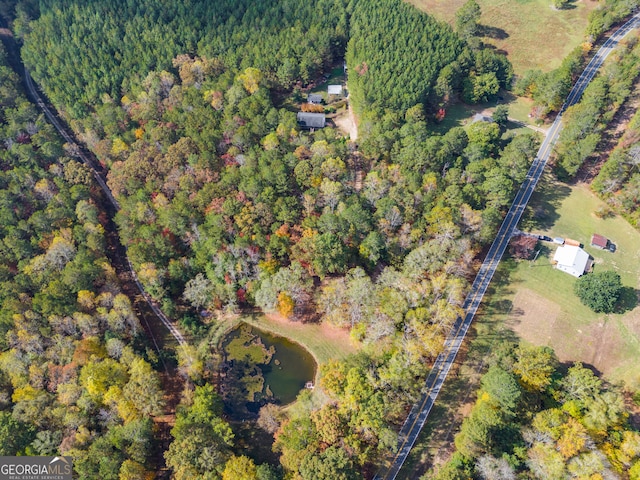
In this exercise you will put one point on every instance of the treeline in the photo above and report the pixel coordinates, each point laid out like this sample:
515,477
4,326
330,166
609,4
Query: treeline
549,90
618,181
611,12
399,57
75,377
532,419
585,121
82,50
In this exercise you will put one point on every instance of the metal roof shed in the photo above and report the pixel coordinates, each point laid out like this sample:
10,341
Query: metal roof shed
599,241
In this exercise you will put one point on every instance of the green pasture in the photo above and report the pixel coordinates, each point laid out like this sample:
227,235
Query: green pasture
531,32
611,343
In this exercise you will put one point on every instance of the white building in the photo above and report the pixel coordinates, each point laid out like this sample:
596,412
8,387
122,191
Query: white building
572,260
334,89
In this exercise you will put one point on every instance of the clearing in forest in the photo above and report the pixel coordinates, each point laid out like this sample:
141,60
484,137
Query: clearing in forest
322,340
532,33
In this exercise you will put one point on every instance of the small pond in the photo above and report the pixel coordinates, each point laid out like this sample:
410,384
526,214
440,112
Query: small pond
265,367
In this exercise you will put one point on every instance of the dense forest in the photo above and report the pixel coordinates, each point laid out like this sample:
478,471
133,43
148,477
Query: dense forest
227,204
87,49
399,57
75,375
535,419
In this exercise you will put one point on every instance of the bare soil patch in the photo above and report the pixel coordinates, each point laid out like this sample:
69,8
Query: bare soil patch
533,317
540,321
345,121
329,331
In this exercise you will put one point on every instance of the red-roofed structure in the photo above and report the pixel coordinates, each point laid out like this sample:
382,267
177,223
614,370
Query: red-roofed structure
599,241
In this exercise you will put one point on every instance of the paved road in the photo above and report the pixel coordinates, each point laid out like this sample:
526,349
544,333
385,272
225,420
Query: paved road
107,191
420,411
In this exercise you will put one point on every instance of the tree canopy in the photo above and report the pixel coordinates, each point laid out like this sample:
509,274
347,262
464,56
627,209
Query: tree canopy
599,290
573,427
76,377
85,50
399,57
227,204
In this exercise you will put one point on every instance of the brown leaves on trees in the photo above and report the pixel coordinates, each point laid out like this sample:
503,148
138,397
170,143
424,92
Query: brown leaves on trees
523,246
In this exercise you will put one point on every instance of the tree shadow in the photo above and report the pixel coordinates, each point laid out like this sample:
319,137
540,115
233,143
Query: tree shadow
253,441
570,5
564,367
492,32
544,207
497,50
628,299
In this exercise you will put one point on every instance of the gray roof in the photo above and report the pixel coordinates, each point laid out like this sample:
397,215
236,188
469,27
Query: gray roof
478,117
311,120
334,89
314,98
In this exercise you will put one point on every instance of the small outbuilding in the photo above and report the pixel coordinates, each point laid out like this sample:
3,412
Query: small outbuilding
314,98
311,120
572,260
334,89
599,241
478,117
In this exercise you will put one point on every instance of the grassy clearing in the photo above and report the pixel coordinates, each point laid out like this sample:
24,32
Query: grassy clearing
529,31
519,108
460,114
540,306
457,116
322,341
336,77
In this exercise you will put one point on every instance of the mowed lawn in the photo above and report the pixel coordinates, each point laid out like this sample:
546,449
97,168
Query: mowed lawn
324,342
538,303
532,33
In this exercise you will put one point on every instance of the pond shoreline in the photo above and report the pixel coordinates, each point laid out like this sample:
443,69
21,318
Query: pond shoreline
323,342
261,367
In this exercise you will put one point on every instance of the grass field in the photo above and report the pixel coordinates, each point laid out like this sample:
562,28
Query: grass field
336,77
529,31
322,341
538,302
461,114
